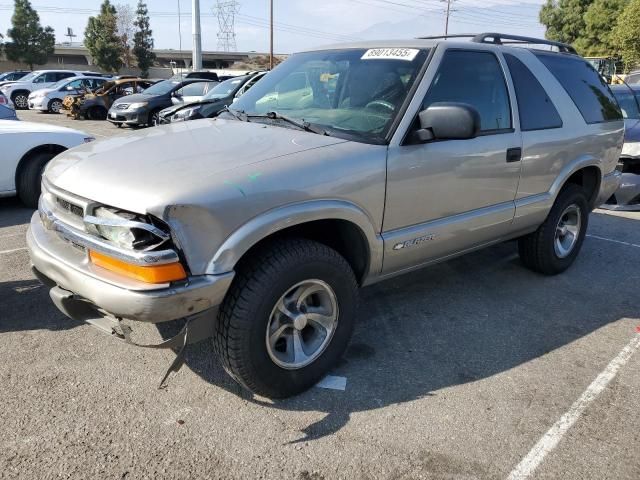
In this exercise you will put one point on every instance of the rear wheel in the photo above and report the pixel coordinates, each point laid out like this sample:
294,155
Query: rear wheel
30,178
287,318
554,246
20,100
55,105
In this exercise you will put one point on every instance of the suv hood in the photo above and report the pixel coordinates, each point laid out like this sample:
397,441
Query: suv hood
173,164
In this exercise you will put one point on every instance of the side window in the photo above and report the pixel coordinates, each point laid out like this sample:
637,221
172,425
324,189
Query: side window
474,78
75,84
536,109
40,78
62,75
584,85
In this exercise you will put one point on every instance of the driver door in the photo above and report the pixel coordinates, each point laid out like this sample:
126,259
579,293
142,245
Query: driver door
445,197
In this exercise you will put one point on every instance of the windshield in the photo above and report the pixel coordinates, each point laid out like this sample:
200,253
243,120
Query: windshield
226,88
161,88
628,103
29,77
355,93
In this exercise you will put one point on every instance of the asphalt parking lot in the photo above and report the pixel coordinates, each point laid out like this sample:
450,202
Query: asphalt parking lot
475,368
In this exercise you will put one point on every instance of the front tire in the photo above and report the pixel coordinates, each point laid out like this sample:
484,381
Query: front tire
55,105
21,101
287,318
554,246
30,178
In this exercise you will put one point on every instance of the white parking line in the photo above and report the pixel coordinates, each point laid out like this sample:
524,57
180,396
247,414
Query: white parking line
553,436
13,250
614,241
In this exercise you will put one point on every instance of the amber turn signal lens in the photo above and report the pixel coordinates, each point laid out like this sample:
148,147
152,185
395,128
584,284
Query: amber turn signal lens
168,272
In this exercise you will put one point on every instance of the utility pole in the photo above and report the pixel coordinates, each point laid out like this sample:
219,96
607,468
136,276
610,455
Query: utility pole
446,23
271,41
196,62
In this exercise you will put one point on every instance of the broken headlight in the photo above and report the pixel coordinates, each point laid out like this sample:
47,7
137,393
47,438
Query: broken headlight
125,229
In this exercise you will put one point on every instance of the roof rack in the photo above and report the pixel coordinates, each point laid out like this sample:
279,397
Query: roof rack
499,39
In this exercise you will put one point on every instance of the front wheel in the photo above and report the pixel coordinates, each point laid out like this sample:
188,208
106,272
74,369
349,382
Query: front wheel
554,246
30,178
287,318
154,118
21,101
55,105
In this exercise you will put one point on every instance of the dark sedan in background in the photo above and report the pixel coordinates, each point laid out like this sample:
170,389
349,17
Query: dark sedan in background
627,197
144,108
214,101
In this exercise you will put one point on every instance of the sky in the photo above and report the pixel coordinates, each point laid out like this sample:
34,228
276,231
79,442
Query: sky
302,24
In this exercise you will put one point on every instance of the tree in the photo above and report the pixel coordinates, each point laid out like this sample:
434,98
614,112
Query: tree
143,40
30,43
626,35
125,18
101,38
564,19
600,18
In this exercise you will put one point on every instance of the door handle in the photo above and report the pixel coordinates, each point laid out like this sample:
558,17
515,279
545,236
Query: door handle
514,155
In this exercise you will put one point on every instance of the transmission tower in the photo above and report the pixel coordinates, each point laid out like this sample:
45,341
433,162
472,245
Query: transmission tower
226,11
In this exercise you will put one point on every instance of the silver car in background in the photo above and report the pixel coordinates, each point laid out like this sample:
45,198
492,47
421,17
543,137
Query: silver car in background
344,166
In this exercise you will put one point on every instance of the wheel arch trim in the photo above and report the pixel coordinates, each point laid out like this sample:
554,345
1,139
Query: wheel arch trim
273,221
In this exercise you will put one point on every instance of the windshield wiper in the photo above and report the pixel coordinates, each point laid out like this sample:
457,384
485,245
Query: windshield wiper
303,125
239,115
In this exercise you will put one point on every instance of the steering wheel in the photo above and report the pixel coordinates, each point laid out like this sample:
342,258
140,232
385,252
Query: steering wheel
376,104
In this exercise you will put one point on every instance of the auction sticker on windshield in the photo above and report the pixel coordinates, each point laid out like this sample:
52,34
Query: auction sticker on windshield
390,54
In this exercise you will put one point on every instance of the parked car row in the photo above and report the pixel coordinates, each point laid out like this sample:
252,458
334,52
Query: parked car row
19,90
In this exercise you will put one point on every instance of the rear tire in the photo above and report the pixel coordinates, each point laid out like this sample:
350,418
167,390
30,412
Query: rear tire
306,278
30,177
554,246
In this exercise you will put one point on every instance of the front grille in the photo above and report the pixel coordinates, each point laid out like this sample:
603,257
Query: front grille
70,207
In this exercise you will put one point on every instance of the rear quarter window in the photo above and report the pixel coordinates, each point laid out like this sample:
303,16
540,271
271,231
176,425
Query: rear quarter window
584,85
535,108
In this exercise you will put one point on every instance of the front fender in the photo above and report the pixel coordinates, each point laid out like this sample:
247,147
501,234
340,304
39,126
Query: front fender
272,221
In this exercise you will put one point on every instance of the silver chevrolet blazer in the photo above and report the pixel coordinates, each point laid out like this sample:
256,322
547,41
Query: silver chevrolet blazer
344,166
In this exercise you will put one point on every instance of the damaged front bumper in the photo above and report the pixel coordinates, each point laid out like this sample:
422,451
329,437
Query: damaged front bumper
88,293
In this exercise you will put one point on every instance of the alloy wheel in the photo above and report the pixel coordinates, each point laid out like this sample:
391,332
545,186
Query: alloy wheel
567,231
302,324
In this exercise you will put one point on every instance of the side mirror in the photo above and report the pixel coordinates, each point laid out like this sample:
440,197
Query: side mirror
448,121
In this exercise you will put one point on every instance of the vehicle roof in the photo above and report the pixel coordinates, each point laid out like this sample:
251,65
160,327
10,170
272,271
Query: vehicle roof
423,43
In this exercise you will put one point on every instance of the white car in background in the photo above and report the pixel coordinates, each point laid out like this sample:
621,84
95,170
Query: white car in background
18,92
27,147
50,99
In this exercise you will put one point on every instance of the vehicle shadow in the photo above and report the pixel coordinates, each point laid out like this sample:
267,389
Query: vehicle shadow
25,305
13,212
454,323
